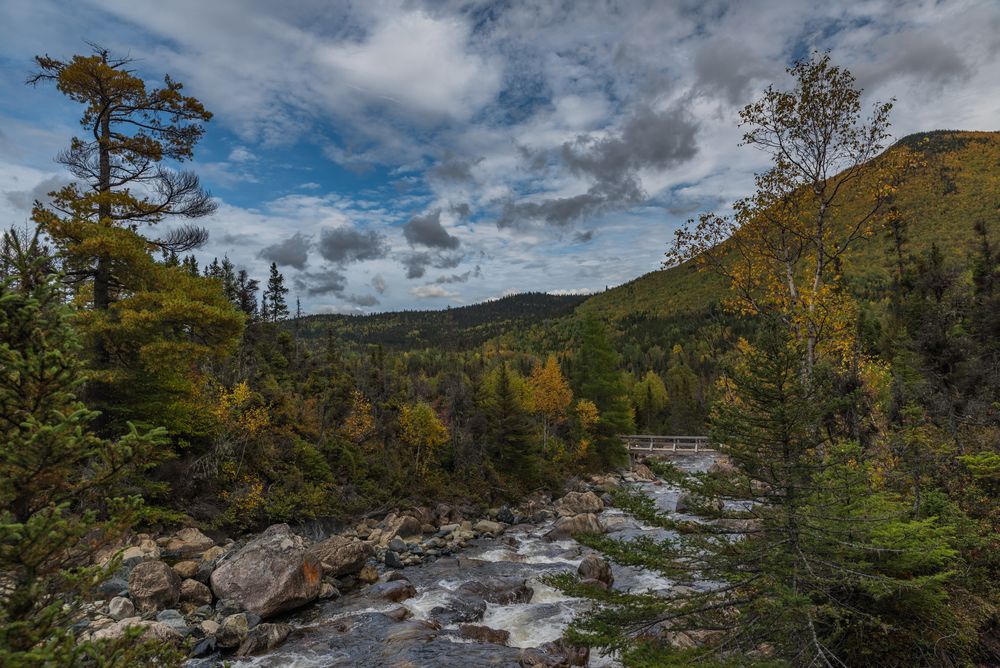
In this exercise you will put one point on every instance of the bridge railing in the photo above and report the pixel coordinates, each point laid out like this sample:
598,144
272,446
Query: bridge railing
652,444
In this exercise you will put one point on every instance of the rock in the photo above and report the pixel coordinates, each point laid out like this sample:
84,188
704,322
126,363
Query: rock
233,630
507,516
397,613
204,647
576,503
186,569
272,573
154,586
395,591
594,567
397,545
566,654
484,634
489,527
327,590
225,607
368,574
468,602
392,560
402,526
189,542
174,620
195,593
565,527
689,503
262,638
209,627
156,631
643,472
722,467
120,608
340,555
447,529
213,553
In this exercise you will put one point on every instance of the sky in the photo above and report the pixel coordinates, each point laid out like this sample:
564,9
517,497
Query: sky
407,154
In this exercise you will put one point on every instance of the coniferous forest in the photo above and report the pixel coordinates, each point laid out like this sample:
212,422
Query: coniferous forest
190,459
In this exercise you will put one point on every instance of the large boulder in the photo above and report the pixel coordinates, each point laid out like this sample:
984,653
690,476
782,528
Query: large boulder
643,472
469,601
489,527
154,586
395,591
262,638
576,503
565,527
272,573
189,542
594,567
339,555
484,634
402,526
155,631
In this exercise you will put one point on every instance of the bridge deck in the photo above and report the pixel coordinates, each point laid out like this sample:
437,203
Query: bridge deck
649,444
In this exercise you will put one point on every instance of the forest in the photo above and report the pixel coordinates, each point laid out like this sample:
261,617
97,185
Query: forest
837,336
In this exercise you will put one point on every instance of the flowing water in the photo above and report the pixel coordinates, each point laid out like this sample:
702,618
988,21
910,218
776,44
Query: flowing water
356,630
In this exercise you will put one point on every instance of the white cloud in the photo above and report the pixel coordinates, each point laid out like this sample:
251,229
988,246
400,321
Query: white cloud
433,292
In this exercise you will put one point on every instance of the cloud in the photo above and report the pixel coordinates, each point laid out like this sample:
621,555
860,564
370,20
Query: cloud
292,252
453,170
242,154
462,210
24,200
361,300
426,230
460,278
378,283
727,67
432,292
583,237
343,245
324,282
416,263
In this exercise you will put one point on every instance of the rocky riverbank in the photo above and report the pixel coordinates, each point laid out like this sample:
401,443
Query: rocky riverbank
422,586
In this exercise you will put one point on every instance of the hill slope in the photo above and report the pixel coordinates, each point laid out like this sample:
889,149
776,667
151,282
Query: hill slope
451,329
959,184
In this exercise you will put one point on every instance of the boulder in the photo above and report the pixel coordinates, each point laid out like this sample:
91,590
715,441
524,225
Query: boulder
489,527
154,586
272,573
195,593
262,638
120,608
233,630
576,503
468,602
402,526
395,591
594,567
689,503
189,542
722,467
186,569
174,620
392,560
340,556
155,631
643,472
565,527
368,574
210,627
327,590
485,634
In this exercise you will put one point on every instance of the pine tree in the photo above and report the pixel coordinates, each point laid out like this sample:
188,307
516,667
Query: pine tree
599,379
510,433
54,472
274,296
246,294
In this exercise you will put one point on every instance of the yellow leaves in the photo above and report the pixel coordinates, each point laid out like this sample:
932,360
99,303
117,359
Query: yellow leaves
360,424
550,393
587,414
235,410
422,429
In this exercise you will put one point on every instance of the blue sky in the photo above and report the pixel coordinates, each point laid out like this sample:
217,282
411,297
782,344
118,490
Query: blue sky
407,154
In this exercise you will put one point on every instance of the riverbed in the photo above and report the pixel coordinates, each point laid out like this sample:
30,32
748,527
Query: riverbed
424,630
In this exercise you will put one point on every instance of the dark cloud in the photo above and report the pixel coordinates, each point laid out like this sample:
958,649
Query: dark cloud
462,210
292,252
416,263
583,237
649,139
727,68
361,300
324,282
378,283
453,170
460,278
427,231
343,245
924,57
25,199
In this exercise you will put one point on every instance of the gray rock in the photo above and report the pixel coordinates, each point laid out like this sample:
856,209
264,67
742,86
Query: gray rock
565,527
395,591
174,620
263,638
576,503
120,607
154,586
397,544
204,647
340,555
271,574
188,542
594,567
233,630
489,527
392,560
225,607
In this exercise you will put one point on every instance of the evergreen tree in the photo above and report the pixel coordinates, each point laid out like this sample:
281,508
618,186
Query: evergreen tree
273,302
54,473
246,294
599,379
650,398
511,440
686,416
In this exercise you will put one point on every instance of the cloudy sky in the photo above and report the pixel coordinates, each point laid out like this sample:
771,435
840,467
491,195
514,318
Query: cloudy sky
406,154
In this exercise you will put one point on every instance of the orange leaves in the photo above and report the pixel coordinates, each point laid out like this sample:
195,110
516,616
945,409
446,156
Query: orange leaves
360,424
550,393
588,414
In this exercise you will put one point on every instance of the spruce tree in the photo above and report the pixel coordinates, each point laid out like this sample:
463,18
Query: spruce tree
55,477
599,379
274,296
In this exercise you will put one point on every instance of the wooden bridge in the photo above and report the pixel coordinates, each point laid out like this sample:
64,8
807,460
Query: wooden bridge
665,446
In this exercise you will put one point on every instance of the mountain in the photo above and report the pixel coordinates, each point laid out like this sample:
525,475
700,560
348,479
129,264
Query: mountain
958,184
458,328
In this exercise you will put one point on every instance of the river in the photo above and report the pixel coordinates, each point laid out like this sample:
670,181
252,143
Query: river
359,630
